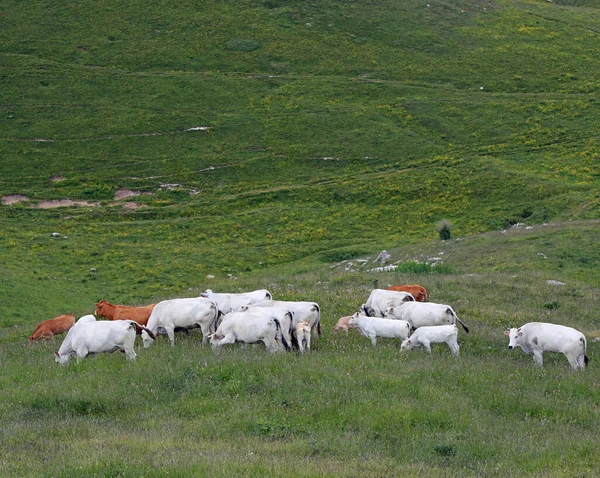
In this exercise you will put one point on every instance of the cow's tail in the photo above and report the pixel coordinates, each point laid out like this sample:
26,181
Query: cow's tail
139,328
318,321
214,325
586,360
279,335
451,312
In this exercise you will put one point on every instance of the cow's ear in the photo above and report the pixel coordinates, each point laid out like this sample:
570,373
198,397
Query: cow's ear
56,354
409,342
507,332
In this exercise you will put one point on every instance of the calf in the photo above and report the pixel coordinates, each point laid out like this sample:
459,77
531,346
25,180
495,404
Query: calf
436,334
418,292
124,312
535,338
303,335
91,337
51,327
343,324
420,314
380,300
373,327
185,313
249,328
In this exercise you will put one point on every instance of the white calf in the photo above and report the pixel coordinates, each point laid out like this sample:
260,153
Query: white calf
436,334
373,327
91,337
249,328
421,314
381,300
185,313
303,335
535,338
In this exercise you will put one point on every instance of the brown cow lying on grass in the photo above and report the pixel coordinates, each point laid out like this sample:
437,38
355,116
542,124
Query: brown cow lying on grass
418,292
124,312
51,327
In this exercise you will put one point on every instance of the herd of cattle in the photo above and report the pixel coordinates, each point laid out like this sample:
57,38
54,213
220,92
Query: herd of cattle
401,312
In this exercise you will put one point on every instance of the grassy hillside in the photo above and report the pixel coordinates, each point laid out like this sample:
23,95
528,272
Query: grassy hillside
267,142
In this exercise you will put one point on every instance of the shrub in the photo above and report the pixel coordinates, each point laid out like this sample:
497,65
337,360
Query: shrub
444,229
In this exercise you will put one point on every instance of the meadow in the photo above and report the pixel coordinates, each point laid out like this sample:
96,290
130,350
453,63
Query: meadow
272,144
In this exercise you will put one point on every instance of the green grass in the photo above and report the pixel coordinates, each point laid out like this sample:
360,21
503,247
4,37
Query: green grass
335,130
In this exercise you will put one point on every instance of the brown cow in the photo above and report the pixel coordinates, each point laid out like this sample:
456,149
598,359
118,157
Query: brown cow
124,312
51,327
343,324
419,293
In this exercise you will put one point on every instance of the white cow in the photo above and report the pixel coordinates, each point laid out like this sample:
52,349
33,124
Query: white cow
91,337
303,335
420,314
184,313
435,334
373,327
302,311
381,300
284,315
231,302
249,328
535,338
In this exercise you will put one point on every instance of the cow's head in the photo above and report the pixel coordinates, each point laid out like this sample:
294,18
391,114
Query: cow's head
514,335
100,307
354,318
61,359
214,339
146,339
406,344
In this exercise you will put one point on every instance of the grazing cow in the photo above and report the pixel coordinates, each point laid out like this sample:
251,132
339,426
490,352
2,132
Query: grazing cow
436,334
373,327
185,313
91,337
284,315
249,328
418,292
124,312
380,300
303,335
51,327
420,314
343,324
302,311
535,338
231,302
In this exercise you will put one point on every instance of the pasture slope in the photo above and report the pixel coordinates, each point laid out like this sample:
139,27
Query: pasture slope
274,143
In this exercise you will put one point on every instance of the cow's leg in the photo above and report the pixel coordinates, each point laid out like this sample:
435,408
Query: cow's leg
308,342
537,357
454,348
81,353
573,361
425,343
373,338
171,333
